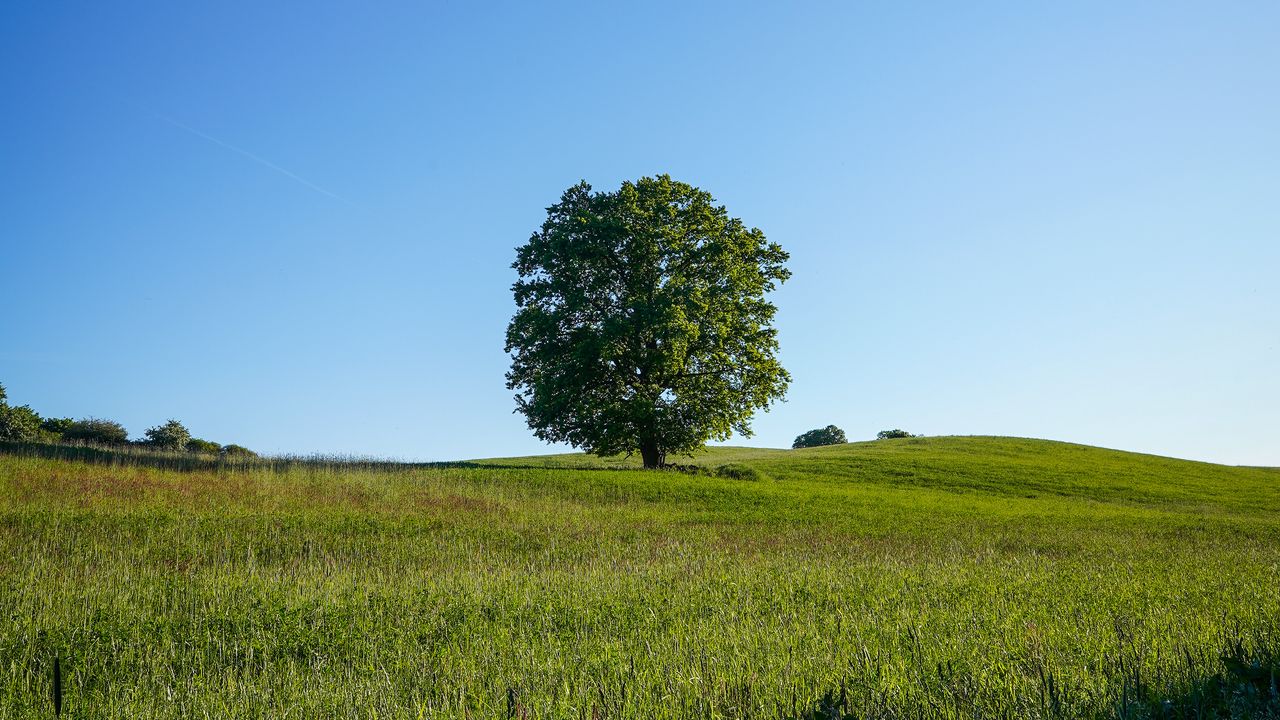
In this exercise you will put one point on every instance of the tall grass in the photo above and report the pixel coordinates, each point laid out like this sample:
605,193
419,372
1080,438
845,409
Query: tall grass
941,578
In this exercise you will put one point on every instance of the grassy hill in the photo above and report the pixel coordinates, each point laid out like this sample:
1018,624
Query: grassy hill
998,465
926,577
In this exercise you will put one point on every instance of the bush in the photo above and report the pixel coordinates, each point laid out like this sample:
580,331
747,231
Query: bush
736,471
19,424
56,426
96,430
891,434
172,435
237,451
196,445
829,435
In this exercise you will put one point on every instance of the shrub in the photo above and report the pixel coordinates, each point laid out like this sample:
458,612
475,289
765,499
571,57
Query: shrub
237,451
695,470
57,426
20,424
891,434
96,430
172,435
736,471
196,445
829,435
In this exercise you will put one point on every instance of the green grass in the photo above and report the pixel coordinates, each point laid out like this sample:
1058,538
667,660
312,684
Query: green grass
938,577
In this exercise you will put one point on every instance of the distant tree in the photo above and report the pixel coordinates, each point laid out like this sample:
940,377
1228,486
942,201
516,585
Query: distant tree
829,435
196,445
172,435
56,426
96,430
891,434
19,424
237,451
642,322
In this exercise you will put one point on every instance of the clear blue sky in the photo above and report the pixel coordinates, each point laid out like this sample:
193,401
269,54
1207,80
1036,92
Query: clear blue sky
291,227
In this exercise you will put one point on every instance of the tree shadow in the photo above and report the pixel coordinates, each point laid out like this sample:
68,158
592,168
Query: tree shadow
1242,681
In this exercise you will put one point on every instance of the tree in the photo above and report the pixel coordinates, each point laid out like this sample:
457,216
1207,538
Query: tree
96,430
237,451
829,435
172,435
56,426
197,445
891,434
19,424
642,322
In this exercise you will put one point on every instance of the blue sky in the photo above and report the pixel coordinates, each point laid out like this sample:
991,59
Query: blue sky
291,226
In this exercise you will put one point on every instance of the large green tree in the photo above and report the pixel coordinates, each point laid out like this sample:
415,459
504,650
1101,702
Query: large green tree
642,323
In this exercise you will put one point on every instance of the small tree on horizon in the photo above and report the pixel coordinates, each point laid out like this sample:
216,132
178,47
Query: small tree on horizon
18,424
829,435
96,430
172,435
892,434
56,426
237,451
198,445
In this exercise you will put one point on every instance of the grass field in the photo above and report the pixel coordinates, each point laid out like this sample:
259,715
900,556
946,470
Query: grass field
939,577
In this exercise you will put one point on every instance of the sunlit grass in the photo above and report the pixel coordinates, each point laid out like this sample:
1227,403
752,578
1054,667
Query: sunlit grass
947,577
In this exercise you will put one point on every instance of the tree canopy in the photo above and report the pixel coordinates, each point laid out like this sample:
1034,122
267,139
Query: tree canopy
172,435
642,323
19,423
829,435
893,434
200,445
238,451
96,430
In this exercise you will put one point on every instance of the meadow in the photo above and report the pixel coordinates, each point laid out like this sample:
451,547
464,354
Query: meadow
964,577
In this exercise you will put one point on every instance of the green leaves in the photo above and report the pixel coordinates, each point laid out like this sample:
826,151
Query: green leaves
98,431
642,322
20,423
893,434
829,435
172,435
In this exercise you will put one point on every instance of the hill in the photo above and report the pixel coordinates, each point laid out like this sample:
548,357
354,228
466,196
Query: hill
999,465
925,577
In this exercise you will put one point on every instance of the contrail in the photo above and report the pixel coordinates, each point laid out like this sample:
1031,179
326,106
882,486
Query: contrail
255,158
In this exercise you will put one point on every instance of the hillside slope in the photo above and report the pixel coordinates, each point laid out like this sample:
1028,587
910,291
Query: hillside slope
1012,467
931,577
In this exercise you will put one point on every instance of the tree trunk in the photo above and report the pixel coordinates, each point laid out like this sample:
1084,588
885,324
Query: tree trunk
651,455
